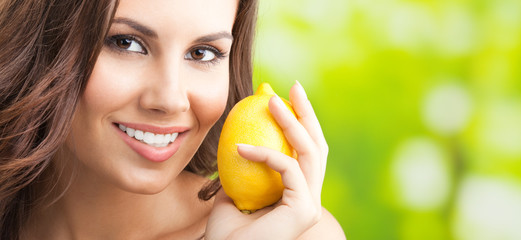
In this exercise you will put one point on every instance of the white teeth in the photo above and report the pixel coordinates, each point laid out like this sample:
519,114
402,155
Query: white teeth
130,132
173,137
148,138
139,135
159,138
160,144
156,140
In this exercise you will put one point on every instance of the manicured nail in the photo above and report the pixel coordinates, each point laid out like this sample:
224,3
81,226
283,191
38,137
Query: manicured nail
278,100
245,146
301,89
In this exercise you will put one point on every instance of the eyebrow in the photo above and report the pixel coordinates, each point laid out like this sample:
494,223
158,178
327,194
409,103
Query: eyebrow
151,33
136,26
214,36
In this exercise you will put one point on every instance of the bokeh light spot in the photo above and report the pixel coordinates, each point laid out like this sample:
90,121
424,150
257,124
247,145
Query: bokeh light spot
421,174
447,109
488,208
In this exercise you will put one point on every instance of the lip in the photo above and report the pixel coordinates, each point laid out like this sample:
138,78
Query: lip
154,154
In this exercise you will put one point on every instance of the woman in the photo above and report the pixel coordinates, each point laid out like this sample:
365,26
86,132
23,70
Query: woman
110,116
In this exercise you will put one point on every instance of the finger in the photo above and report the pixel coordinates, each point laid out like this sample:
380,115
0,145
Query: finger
295,212
305,113
291,174
294,132
307,117
309,154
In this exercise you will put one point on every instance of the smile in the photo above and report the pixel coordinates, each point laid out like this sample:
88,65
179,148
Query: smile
152,139
153,143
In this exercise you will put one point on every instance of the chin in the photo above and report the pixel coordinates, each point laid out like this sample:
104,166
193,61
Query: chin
149,190
146,189
147,185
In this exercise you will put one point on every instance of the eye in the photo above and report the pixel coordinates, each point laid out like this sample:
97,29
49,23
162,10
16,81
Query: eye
127,43
202,54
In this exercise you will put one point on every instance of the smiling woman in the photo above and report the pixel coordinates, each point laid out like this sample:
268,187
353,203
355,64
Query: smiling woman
110,115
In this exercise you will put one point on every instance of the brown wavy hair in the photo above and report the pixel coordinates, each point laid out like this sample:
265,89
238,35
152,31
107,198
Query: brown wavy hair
49,49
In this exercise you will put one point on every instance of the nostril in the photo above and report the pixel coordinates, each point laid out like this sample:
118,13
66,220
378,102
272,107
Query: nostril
157,111
165,99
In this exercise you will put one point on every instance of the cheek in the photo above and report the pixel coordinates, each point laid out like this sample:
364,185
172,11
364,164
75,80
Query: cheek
106,89
86,124
209,102
105,93
92,104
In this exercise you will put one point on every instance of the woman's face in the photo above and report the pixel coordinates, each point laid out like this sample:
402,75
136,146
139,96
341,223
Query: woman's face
158,86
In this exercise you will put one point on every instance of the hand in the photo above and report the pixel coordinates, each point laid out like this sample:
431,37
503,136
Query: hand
300,207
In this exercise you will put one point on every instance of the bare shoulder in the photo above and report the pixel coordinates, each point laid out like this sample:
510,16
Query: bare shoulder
327,228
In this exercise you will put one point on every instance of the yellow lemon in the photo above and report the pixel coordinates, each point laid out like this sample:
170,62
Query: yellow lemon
251,185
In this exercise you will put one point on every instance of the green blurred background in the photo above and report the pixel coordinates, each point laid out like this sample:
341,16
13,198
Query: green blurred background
420,102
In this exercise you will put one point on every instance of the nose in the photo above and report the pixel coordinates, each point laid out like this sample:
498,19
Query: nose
165,91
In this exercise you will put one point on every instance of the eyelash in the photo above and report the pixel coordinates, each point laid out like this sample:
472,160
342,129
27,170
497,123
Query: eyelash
111,42
219,55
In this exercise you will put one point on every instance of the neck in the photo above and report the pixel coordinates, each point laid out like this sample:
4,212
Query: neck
93,209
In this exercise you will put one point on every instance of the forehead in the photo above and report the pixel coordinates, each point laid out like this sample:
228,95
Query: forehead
180,17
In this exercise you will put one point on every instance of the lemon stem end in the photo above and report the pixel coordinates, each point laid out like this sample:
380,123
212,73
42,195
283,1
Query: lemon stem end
247,212
264,89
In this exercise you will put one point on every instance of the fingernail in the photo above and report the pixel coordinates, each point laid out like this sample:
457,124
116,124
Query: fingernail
244,146
279,100
301,89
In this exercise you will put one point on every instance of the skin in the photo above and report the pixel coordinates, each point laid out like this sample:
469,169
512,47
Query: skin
166,72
